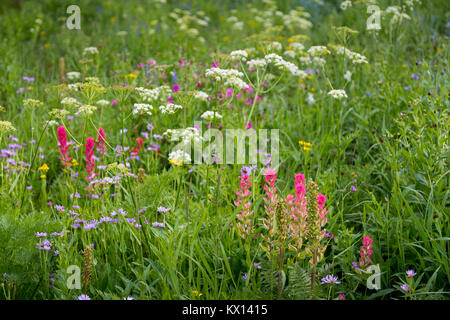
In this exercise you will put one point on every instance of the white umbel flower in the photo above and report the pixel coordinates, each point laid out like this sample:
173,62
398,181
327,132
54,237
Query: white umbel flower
200,95
178,157
338,94
103,102
239,55
317,51
142,108
210,115
86,110
169,108
69,101
73,75
90,50
257,63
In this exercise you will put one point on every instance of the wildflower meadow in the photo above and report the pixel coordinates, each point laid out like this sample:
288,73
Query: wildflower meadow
224,150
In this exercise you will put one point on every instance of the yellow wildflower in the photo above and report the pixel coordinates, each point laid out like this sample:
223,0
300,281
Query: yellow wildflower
175,162
306,145
74,162
43,176
44,168
196,293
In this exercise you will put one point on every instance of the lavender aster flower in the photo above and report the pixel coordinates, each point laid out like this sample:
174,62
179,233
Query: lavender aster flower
330,279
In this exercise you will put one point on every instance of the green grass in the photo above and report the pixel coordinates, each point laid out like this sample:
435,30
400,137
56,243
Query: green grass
389,140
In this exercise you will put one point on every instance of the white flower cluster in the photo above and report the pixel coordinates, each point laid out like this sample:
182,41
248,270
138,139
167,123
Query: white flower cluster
231,77
239,55
51,123
169,108
257,63
238,25
297,19
86,109
103,102
345,4
73,75
210,115
178,156
142,108
338,94
69,101
274,46
235,83
223,74
200,95
90,50
317,51
398,15
295,48
282,64
150,95
185,135
353,56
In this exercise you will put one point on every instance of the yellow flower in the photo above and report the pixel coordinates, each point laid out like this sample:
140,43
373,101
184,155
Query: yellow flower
74,162
279,38
309,77
306,145
226,38
290,40
131,75
112,19
196,293
44,168
47,45
43,176
178,163
313,90
289,48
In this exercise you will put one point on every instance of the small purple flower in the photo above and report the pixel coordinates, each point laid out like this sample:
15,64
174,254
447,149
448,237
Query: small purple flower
158,224
41,234
353,188
256,265
163,209
330,279
245,276
410,273
405,287
84,297
415,76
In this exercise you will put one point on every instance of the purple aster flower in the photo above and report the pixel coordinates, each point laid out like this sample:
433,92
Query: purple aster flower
245,276
84,297
410,273
41,234
44,245
353,188
405,287
415,76
163,209
330,279
158,224
91,225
